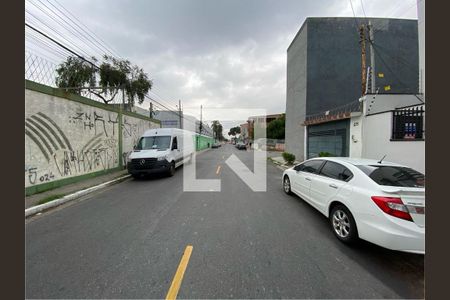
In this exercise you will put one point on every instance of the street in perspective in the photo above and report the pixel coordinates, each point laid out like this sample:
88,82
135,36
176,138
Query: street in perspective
224,149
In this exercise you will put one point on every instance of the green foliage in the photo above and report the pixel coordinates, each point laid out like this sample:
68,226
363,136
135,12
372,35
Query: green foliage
234,130
325,154
288,157
75,73
112,76
275,129
217,130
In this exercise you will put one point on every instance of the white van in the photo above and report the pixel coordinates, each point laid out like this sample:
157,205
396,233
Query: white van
161,150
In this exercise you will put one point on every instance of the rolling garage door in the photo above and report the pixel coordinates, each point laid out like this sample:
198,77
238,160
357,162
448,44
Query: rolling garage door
332,137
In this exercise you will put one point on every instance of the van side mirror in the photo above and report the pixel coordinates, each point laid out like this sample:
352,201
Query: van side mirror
174,146
134,147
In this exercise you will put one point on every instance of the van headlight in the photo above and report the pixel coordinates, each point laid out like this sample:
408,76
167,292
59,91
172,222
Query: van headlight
161,158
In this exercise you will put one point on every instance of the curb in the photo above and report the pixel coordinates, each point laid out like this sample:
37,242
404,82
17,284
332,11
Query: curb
38,208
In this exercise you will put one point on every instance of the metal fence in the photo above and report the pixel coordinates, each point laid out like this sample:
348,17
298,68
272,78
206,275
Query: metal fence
43,71
339,112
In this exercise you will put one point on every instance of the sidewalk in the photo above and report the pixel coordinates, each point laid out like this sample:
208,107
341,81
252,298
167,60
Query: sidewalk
60,192
71,188
279,161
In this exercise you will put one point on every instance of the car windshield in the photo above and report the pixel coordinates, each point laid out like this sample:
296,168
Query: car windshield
394,175
153,142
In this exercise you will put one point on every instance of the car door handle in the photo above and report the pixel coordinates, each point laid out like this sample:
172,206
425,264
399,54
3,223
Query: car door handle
307,178
333,186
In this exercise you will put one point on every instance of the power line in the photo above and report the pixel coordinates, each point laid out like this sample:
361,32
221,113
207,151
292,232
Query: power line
58,33
68,27
92,40
362,7
389,68
74,17
61,45
45,44
354,15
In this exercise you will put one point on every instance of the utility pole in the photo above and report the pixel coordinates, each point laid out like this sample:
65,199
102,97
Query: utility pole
372,59
362,42
179,113
151,110
201,124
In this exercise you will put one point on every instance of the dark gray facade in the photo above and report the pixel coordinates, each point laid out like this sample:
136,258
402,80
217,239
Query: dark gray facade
324,67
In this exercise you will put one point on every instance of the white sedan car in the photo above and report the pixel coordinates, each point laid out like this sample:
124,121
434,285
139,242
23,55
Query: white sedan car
381,202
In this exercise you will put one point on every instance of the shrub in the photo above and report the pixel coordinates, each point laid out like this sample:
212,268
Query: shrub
288,157
324,154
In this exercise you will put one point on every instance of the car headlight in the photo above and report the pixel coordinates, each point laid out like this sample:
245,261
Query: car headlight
161,158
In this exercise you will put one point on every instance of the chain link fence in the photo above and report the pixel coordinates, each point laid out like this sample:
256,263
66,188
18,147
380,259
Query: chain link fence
43,71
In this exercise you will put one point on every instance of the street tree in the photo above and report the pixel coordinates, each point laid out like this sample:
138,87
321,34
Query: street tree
217,130
106,81
276,128
234,131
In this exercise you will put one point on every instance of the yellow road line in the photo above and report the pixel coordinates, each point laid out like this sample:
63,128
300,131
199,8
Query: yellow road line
218,169
178,278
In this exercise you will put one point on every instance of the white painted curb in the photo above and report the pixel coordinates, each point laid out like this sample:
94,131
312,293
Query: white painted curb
38,208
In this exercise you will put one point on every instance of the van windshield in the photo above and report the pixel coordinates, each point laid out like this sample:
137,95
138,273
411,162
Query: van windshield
154,142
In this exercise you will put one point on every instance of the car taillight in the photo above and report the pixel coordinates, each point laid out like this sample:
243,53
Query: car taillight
392,206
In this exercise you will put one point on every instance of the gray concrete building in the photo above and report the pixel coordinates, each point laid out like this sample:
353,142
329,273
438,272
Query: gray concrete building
324,78
171,119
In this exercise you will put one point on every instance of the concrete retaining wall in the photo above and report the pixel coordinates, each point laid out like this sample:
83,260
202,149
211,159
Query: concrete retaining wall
69,137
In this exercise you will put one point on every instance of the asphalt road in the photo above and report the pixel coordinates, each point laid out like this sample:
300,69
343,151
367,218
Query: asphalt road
127,241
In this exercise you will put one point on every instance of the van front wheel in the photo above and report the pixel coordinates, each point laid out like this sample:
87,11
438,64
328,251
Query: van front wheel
172,169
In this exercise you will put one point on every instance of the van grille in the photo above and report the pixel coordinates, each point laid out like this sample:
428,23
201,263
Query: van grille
143,163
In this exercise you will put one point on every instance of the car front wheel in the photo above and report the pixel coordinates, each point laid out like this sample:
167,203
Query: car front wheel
343,224
171,169
287,185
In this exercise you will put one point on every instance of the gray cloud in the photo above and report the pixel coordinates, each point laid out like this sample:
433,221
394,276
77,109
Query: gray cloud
214,52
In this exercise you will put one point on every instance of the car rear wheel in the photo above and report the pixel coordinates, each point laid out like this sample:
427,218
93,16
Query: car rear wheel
343,224
287,185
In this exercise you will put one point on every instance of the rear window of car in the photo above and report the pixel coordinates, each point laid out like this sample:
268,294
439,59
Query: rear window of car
394,175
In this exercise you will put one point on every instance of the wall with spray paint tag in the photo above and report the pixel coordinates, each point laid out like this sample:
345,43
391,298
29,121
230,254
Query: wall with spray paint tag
132,129
68,136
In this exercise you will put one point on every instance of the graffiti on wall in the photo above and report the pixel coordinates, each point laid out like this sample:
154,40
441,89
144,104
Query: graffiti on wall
66,138
64,155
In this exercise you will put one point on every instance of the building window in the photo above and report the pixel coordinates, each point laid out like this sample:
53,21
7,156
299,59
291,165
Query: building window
407,124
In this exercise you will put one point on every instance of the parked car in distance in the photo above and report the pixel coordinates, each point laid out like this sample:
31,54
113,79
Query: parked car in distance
241,146
380,202
161,150
215,145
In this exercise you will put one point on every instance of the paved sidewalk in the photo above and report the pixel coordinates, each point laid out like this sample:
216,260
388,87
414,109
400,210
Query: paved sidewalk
34,200
278,160
72,188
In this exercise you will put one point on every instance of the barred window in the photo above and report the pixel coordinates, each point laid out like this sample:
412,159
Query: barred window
407,124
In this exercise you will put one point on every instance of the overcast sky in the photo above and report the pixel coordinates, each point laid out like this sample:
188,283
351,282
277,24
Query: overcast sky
216,53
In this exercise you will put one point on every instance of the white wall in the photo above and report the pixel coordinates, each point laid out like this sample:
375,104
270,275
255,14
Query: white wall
64,138
355,143
376,133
